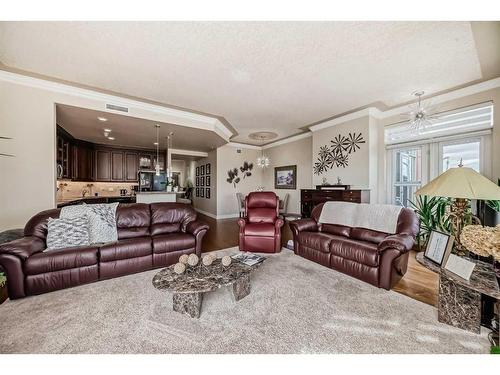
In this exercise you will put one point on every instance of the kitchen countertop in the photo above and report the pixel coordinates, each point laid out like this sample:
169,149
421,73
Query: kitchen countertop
74,199
160,192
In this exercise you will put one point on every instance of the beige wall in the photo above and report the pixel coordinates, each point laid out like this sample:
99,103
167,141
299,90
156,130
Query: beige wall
361,172
208,206
293,153
180,166
490,95
228,158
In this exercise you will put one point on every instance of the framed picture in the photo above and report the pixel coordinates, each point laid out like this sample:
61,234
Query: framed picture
207,181
439,247
202,192
197,171
207,168
197,192
285,177
197,181
202,181
202,170
207,193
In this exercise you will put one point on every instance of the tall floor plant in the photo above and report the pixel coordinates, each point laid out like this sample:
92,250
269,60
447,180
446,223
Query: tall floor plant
433,214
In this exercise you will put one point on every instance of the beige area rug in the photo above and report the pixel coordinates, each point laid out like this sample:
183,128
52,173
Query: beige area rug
295,306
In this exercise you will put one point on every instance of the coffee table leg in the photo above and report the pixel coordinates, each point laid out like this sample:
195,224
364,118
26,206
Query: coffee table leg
459,306
188,303
241,287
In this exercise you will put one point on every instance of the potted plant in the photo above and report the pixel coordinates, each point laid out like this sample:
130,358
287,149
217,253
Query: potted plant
492,213
3,288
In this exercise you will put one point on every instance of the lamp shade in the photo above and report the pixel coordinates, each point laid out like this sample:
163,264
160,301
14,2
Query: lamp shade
461,182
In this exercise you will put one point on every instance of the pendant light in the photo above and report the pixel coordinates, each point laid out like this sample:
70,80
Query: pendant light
420,114
263,161
169,150
157,165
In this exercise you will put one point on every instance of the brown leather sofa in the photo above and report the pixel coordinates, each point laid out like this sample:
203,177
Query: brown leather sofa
149,236
378,258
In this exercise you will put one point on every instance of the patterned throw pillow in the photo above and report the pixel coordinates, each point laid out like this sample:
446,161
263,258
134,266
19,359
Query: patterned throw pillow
66,232
102,220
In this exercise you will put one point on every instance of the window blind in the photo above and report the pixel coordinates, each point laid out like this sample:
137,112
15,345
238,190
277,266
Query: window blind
464,120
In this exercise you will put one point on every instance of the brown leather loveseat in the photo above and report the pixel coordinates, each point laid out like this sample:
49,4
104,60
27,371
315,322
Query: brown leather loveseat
378,258
149,236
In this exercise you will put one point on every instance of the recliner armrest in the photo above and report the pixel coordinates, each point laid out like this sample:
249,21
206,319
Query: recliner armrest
24,247
400,242
303,225
194,227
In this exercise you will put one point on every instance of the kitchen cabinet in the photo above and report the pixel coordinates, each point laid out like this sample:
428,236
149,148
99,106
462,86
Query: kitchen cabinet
102,165
131,166
117,166
63,153
82,162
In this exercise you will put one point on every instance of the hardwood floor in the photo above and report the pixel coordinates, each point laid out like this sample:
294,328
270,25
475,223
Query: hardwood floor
418,283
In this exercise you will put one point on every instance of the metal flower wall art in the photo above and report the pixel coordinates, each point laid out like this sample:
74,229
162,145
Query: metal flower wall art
246,171
337,153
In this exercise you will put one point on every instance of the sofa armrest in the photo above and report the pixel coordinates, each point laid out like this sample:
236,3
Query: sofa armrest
24,247
303,225
194,227
400,242
241,223
278,224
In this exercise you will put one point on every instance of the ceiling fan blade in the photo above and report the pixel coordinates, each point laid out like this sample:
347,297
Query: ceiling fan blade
6,155
5,137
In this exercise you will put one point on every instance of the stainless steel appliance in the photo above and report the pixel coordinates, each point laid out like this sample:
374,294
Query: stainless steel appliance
149,181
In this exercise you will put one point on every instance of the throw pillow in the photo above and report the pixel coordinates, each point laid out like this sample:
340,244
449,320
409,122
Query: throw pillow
67,232
102,220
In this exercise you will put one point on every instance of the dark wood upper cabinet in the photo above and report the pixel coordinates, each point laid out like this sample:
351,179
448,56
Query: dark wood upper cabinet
131,166
103,165
83,162
117,166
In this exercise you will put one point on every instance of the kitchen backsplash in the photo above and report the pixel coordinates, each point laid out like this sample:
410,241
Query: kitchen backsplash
74,189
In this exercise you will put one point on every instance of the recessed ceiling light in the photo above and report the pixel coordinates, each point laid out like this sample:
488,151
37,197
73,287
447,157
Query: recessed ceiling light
103,119
155,143
107,130
111,138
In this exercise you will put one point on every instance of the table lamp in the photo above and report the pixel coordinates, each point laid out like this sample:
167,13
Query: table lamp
460,183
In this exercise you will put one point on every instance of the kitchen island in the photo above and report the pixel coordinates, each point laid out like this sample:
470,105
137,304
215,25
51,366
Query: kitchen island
93,200
157,196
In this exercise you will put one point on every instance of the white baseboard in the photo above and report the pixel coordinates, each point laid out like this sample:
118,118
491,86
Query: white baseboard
217,217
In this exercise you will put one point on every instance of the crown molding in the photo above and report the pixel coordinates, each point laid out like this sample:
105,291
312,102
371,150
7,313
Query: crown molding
371,111
244,145
448,96
200,154
284,141
200,121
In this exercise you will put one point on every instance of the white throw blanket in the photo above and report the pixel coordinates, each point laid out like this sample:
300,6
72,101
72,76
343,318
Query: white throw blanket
379,217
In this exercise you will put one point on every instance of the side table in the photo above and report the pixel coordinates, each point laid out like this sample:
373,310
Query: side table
459,300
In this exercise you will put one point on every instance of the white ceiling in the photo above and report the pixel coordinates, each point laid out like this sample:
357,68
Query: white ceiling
82,123
274,76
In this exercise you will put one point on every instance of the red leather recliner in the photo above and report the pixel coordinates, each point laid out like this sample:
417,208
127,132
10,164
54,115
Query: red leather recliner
260,229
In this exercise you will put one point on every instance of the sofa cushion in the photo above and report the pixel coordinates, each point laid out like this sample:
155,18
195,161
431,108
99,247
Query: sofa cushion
133,220
61,259
170,217
126,249
338,230
167,243
316,240
355,250
261,230
367,235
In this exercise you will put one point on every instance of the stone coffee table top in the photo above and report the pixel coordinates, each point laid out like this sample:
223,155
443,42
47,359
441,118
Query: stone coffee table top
201,279
482,280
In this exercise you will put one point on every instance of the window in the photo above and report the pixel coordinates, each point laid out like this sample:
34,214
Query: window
466,151
408,174
413,160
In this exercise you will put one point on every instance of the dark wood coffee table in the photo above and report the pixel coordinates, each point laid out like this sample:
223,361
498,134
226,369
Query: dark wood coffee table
190,286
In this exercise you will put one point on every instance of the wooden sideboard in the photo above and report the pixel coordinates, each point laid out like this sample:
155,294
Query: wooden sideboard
312,197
